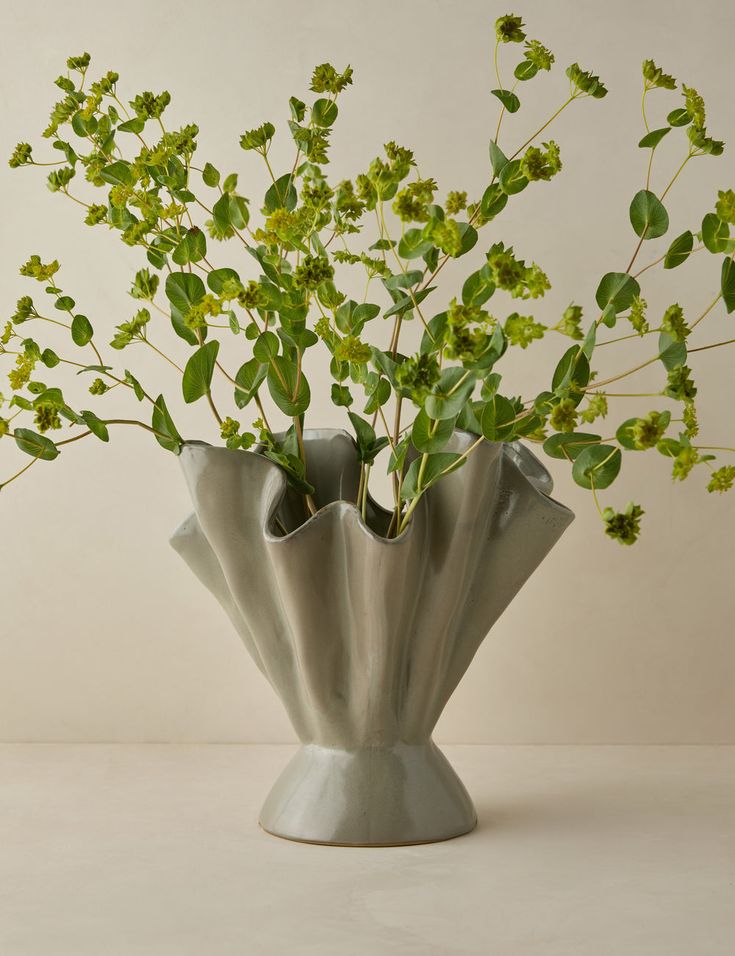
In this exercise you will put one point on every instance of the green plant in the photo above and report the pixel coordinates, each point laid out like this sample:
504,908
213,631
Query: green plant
283,299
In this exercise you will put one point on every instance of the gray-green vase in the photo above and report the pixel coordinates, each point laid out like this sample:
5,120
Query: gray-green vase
365,638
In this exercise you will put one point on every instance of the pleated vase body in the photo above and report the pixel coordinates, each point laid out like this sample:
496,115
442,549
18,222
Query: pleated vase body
365,638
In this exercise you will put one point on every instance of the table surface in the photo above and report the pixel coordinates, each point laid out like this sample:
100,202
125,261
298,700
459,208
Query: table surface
154,849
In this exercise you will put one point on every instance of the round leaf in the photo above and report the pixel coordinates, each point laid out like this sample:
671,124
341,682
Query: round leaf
648,215
428,436
450,394
511,178
568,445
81,330
597,465
617,289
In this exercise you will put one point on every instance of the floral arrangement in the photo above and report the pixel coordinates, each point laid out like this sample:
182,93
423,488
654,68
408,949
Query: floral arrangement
268,283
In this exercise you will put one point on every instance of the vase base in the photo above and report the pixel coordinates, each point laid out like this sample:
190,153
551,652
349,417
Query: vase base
402,795
364,846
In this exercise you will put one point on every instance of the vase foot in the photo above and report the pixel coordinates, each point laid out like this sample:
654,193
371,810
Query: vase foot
373,796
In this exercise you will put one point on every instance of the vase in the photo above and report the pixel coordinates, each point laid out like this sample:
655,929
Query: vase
364,638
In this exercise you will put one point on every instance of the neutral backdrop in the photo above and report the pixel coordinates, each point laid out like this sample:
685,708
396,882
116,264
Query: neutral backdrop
105,635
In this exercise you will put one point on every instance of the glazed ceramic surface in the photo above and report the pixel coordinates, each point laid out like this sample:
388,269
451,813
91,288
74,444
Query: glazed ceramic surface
365,638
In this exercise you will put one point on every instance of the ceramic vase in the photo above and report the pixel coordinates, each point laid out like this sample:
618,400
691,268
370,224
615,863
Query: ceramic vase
364,638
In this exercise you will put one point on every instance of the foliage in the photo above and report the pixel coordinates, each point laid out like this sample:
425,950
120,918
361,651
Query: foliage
263,279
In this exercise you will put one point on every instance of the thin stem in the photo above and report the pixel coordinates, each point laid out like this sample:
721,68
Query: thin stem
714,345
542,128
159,352
25,468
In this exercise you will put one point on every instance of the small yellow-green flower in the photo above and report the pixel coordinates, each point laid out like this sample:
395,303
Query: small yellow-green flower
563,416
509,29
623,526
722,479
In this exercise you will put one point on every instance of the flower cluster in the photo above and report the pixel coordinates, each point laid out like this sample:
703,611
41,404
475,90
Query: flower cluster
509,29
418,375
648,431
586,83
571,322
514,276
654,77
674,323
623,526
722,479
312,272
127,332
325,79
523,329
539,163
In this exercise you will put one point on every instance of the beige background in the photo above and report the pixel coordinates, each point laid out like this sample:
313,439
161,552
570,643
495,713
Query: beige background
104,635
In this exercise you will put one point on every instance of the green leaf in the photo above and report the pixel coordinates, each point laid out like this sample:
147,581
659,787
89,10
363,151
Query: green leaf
378,396
167,436
249,379
95,425
478,287
497,157
81,330
572,373
258,138
183,290
624,434
342,396
192,248
407,302
617,289
210,175
728,284
324,112
511,178
652,139
49,358
568,445
494,201
282,385
35,445
648,215
609,316
452,391
469,238
281,194
436,466
413,244
679,250
198,372
525,70
673,354
678,117
715,233
217,278
509,100
135,384
497,419
597,465
398,455
134,125
590,340
266,347
117,174
428,436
